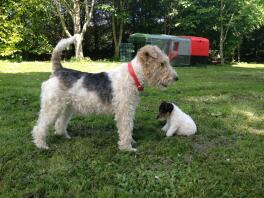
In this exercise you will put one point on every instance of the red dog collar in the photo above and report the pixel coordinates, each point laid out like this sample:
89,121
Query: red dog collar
133,75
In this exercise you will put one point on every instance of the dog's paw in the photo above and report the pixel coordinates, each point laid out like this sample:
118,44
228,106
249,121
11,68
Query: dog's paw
133,141
169,135
41,144
130,149
127,148
66,135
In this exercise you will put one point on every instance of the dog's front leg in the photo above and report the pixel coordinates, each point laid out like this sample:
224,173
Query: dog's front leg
166,127
171,131
125,124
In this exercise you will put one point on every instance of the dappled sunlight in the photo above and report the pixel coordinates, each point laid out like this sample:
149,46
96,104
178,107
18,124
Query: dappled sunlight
253,118
208,98
256,131
26,67
249,65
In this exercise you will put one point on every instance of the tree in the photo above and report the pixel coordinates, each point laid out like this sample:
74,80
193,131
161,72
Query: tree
224,22
172,17
10,28
117,11
75,8
27,27
251,19
224,30
118,19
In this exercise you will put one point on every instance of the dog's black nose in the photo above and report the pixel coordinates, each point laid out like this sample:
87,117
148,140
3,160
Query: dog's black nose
176,78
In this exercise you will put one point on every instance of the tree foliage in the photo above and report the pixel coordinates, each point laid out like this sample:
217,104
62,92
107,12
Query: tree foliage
32,26
28,26
80,12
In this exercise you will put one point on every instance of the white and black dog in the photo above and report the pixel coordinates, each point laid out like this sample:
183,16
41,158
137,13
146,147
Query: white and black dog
68,92
178,122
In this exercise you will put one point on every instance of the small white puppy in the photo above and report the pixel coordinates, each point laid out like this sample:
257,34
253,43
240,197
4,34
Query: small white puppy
177,121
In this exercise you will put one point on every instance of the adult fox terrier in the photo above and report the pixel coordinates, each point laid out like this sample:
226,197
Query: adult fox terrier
68,91
177,121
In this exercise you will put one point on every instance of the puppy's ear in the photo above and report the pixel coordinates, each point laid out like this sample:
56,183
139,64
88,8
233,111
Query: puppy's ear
169,107
163,103
162,106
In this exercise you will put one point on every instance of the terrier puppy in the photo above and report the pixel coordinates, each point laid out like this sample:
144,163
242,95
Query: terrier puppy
177,121
69,92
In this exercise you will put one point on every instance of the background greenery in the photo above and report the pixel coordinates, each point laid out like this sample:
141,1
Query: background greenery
224,159
30,28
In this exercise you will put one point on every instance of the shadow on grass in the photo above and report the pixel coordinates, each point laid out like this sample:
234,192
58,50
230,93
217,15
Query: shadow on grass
225,157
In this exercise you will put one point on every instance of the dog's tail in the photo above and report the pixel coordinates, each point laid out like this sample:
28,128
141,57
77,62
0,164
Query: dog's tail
56,54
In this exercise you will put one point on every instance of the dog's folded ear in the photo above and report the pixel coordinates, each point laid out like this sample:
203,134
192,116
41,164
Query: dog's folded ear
149,51
169,107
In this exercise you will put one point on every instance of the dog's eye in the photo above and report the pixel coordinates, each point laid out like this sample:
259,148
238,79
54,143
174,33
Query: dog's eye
162,64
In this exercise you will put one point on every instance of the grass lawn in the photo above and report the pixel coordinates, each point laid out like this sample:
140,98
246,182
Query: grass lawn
224,159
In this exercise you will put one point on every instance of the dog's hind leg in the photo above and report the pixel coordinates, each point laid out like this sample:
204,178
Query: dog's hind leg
52,103
47,117
62,122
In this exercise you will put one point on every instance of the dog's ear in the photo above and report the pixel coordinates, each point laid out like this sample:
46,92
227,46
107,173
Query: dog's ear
151,53
163,102
169,107
162,106
148,51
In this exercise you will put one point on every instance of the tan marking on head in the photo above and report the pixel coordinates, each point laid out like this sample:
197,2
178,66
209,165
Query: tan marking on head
163,116
156,67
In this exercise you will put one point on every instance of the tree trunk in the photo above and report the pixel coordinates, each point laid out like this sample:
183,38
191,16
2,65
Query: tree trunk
78,47
117,50
221,45
238,52
116,54
117,41
118,23
221,42
77,29
75,13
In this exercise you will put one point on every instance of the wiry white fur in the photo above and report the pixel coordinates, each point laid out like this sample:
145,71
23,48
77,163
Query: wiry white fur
58,104
63,43
179,123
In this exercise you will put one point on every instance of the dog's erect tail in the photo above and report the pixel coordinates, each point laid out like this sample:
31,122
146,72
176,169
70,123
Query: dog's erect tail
56,54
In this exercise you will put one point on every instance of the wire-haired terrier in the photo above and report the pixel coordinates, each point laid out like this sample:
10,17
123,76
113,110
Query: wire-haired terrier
68,92
178,122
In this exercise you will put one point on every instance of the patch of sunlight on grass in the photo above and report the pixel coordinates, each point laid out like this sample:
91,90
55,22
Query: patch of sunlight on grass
252,117
256,131
26,67
209,98
249,65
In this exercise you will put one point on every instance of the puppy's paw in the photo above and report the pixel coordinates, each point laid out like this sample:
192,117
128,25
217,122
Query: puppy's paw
169,134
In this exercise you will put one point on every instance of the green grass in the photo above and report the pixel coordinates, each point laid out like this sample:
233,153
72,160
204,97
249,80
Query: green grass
224,159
